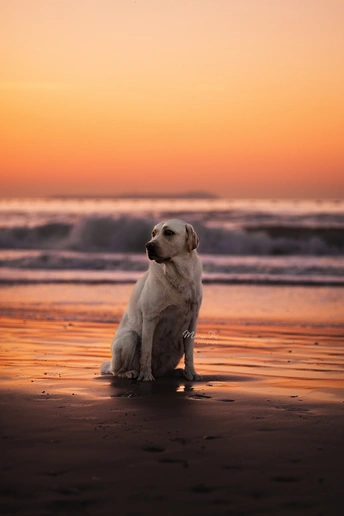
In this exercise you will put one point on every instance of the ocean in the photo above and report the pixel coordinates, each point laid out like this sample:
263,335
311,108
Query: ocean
102,240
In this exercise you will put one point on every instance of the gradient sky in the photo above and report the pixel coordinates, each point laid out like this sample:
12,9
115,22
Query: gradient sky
243,98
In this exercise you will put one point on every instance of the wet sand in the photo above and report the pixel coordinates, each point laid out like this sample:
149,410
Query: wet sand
262,433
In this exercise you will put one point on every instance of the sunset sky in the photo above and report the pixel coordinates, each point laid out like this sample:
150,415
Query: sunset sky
241,98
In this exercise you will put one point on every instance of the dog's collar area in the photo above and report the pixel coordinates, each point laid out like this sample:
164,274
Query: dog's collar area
174,293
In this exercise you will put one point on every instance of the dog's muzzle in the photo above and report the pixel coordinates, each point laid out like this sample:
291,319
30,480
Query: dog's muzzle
153,253
152,250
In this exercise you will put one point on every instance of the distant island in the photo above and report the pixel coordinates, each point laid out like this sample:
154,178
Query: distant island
144,195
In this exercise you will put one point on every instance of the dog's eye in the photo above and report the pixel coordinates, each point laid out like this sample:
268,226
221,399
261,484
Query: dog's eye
168,232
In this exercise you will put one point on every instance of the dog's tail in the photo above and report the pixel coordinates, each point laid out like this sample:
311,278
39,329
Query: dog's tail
106,368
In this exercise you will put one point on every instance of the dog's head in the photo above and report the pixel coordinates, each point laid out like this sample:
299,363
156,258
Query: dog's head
170,239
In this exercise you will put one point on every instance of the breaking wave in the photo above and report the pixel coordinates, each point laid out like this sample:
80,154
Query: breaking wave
129,235
101,240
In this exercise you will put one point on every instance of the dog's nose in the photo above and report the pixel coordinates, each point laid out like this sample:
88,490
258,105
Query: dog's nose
150,246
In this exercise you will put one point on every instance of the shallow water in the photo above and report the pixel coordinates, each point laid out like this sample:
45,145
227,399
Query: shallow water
248,341
237,304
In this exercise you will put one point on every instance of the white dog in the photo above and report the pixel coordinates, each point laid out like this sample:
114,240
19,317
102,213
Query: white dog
159,324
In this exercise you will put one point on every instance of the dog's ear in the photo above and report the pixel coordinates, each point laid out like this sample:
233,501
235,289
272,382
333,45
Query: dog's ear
192,240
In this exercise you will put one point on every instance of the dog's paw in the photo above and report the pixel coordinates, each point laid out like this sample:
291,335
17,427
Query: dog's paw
146,375
129,374
191,375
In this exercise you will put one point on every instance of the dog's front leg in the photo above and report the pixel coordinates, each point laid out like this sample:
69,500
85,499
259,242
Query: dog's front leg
189,371
148,328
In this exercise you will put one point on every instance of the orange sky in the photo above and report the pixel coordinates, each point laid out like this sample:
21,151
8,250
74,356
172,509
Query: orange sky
243,98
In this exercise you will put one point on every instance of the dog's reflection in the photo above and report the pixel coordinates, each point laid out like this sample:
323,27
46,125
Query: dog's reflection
164,388
175,387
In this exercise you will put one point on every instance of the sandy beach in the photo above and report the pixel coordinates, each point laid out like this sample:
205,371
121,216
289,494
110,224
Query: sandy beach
262,433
